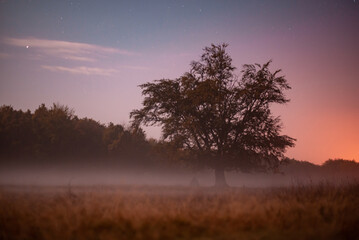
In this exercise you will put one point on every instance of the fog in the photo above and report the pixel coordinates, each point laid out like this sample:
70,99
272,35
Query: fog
115,175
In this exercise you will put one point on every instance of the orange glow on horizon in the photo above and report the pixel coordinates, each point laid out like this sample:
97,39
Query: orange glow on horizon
327,135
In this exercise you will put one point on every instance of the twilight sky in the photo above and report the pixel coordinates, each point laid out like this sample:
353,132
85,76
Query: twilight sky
92,55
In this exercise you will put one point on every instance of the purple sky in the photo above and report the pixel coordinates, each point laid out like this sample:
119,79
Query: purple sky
92,55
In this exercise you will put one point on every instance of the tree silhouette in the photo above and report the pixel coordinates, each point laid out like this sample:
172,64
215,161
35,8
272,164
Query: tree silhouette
53,129
56,135
223,120
16,132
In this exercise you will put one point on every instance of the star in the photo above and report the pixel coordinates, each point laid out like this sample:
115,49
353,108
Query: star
27,46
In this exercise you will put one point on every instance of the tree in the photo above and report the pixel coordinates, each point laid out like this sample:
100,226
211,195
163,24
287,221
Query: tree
131,146
53,129
88,135
16,133
223,120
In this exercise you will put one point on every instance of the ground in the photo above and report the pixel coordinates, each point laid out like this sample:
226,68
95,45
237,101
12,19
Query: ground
320,211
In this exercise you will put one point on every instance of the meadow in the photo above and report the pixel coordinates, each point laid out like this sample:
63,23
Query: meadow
321,211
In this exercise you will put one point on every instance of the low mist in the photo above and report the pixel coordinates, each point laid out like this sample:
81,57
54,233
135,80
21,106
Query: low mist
291,173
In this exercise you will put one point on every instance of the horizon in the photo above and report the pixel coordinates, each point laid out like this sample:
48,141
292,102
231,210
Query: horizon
91,56
148,137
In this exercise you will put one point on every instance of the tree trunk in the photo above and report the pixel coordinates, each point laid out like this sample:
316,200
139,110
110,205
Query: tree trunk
220,178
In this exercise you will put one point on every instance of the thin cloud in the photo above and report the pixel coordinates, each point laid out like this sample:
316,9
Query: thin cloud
83,59
75,52
83,70
68,50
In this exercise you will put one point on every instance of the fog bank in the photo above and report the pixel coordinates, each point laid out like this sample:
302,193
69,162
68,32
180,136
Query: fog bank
288,175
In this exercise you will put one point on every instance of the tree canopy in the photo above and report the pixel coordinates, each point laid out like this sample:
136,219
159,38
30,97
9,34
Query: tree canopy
223,120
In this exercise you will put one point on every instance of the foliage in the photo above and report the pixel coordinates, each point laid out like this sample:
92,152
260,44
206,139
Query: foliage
56,133
222,119
16,132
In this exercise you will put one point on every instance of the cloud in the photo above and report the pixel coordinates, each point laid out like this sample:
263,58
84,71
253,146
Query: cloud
81,58
82,70
67,50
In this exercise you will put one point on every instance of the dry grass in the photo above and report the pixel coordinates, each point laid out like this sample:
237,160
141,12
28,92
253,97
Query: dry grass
301,212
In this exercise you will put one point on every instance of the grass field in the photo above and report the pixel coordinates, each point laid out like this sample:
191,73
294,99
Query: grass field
127,212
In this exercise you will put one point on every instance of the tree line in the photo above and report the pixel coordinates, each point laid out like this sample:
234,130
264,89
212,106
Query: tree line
55,133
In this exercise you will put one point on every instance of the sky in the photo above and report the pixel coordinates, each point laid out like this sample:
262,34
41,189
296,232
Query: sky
92,55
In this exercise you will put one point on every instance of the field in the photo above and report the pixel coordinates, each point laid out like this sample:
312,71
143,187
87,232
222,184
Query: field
147,212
